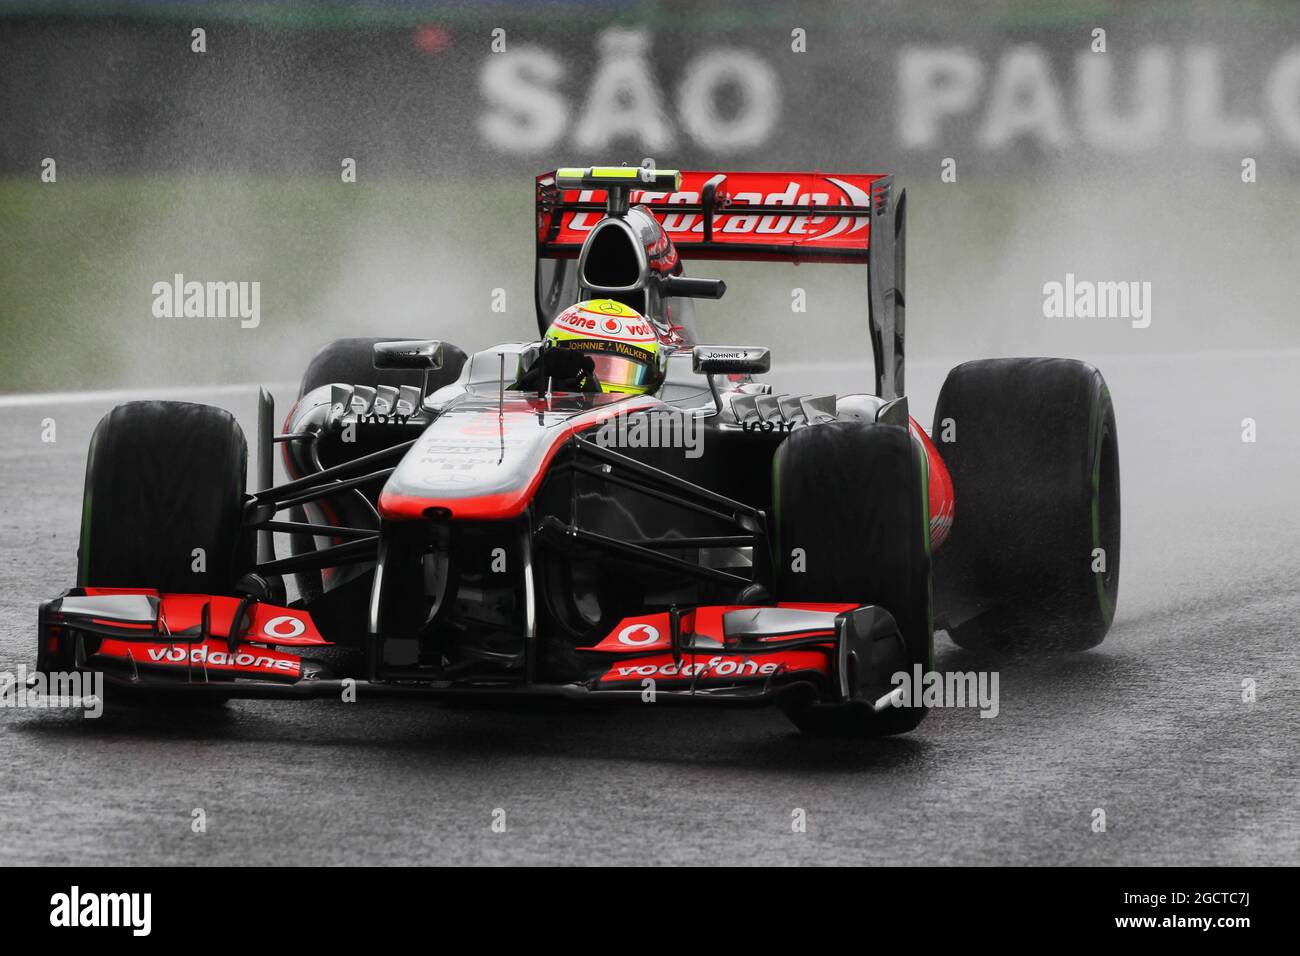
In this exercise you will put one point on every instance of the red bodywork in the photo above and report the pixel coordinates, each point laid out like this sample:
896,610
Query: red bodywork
530,434
266,623
536,447
170,644
213,657
644,645
638,648
942,505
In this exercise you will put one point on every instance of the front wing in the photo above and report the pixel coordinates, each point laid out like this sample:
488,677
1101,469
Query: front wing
228,647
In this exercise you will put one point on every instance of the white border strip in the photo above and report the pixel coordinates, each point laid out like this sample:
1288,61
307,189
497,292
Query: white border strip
38,399
1101,360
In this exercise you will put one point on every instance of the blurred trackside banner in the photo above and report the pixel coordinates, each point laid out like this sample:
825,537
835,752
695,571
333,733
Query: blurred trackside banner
1204,96
1062,96
504,88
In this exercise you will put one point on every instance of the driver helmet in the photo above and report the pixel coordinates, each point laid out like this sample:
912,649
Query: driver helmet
621,342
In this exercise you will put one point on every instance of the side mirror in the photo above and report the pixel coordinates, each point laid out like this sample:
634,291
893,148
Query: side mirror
690,288
730,359
422,354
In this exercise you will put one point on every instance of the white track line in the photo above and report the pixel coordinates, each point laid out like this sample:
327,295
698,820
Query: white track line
39,399
1099,359
36,399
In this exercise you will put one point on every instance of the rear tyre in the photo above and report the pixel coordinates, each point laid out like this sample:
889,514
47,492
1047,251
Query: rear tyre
163,501
352,362
1033,558
853,498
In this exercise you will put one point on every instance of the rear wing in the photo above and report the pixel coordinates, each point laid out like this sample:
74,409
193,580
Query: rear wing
757,217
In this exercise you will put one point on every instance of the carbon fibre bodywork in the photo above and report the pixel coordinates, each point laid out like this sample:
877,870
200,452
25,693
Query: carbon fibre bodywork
518,530
484,539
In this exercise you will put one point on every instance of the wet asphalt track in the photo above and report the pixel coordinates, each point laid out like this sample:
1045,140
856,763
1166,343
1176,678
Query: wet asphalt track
1150,727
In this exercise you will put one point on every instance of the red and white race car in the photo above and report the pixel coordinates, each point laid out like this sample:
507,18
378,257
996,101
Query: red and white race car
520,522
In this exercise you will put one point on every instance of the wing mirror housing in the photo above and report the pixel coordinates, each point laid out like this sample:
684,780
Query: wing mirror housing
730,359
424,355
688,287
714,360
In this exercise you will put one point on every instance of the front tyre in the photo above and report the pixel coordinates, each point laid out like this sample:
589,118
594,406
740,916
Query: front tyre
163,501
851,523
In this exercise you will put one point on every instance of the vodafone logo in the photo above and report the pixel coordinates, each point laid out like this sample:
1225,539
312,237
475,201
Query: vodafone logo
284,626
577,323
716,667
612,325
207,655
638,635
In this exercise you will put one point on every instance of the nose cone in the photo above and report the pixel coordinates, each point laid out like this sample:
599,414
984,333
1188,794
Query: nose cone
484,457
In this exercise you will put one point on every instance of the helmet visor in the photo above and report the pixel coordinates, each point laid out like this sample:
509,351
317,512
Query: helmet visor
622,372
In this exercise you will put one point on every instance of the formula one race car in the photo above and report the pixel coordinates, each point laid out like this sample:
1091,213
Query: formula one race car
613,512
